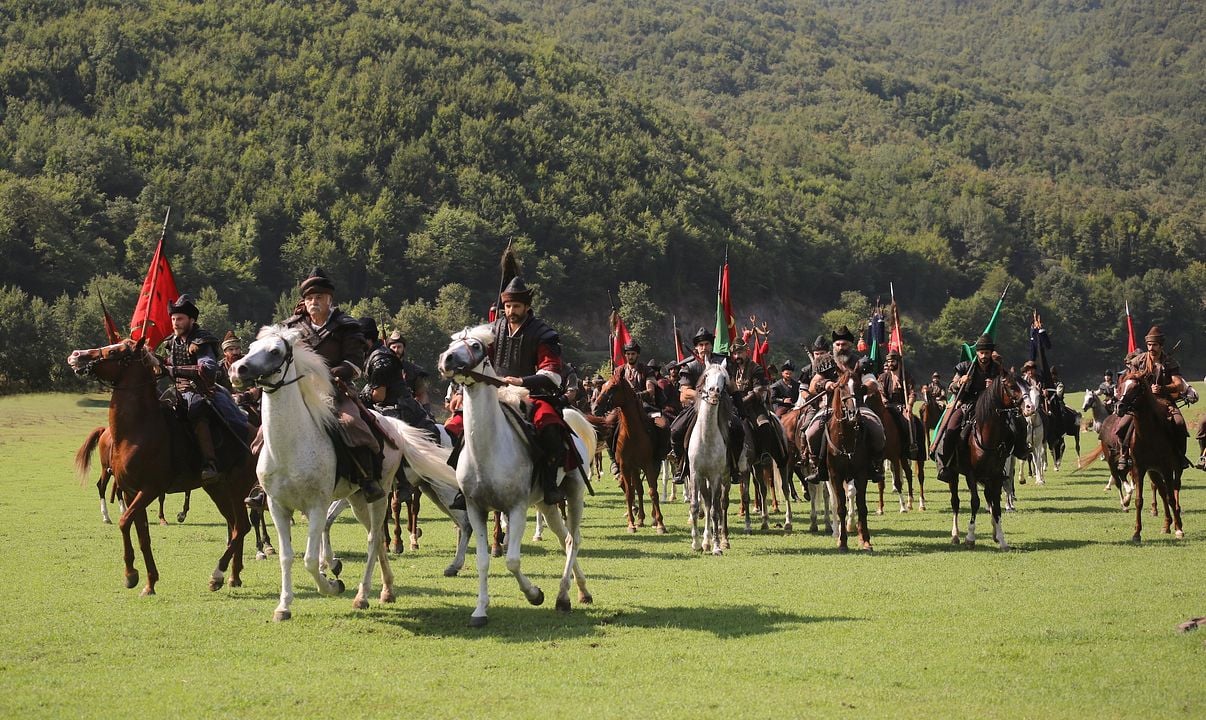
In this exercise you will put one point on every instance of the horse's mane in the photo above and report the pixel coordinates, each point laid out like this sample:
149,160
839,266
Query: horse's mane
987,404
481,333
311,368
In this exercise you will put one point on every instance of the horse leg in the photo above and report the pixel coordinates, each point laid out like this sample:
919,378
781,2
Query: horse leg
992,493
1039,457
839,500
256,517
860,504
144,545
268,549
327,559
395,517
718,511
898,471
372,517
315,532
879,510
812,508
571,540
463,532
743,507
162,519
123,523
515,521
477,521
412,517
496,549
786,478
920,465
954,486
851,505
183,514
237,526
638,497
659,523
974,499
1138,507
693,502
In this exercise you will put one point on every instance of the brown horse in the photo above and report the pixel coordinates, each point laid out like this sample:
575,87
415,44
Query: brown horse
640,447
897,452
849,459
100,440
1157,449
142,458
982,457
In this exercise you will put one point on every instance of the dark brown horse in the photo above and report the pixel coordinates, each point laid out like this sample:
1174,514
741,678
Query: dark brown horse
898,451
849,458
982,458
1157,449
640,446
144,464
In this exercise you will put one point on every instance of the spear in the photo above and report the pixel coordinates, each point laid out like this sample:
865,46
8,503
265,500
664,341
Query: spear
904,374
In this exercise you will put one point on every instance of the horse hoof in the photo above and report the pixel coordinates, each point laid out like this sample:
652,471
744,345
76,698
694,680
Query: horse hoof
339,586
413,546
632,529
971,544
180,517
954,540
1165,531
1136,539
787,528
585,598
1180,534
726,545
563,604
386,597
765,526
336,568
236,582
215,584
478,622
661,529
269,550
163,523
879,511
281,616
147,592
813,528
867,546
360,603
843,549
451,571
538,599
132,580
496,551
398,549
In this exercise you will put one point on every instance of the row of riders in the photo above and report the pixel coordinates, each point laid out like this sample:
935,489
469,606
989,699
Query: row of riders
525,352
528,354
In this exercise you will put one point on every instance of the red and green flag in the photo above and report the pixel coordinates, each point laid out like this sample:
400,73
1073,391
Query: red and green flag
726,326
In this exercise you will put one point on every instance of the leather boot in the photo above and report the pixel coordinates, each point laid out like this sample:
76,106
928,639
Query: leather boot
877,466
370,488
553,494
680,475
205,443
548,440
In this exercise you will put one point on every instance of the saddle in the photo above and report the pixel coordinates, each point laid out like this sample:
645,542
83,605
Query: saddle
229,451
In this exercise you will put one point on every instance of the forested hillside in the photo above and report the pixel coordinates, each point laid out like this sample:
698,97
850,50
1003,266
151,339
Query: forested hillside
829,147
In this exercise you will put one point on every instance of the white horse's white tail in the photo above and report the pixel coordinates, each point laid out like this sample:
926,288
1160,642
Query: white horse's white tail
584,430
426,457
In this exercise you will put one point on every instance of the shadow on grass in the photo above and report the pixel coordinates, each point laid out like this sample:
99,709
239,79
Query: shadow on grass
540,625
92,402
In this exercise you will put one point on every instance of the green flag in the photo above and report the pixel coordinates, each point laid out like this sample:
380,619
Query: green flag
969,351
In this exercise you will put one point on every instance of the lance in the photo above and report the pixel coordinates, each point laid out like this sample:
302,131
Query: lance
904,375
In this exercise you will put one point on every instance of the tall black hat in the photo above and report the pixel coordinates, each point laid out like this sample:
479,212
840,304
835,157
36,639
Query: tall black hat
787,366
184,304
843,333
821,344
703,335
632,346
317,281
985,342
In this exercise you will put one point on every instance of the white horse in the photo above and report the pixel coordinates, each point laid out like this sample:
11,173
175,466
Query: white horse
495,470
1035,434
1094,402
708,454
297,463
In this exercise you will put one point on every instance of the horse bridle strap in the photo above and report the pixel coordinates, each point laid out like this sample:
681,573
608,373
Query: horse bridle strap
271,387
480,377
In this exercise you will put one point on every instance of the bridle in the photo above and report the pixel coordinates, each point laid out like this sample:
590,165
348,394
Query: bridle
283,369
119,353
464,376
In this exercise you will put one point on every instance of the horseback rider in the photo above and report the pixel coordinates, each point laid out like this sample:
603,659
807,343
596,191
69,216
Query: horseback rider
689,376
339,339
785,390
893,382
749,380
454,403
668,390
819,348
1163,373
827,370
527,353
396,387
1107,390
192,361
638,374
936,390
969,382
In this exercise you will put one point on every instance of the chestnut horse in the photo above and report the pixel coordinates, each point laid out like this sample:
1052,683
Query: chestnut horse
983,456
849,459
100,441
1157,449
149,457
641,443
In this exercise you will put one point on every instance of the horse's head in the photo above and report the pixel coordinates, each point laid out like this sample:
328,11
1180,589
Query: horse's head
845,401
109,363
713,386
1090,396
1132,388
267,361
468,350
615,389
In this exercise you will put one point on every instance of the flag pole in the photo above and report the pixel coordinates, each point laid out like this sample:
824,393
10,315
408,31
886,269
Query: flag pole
157,258
904,375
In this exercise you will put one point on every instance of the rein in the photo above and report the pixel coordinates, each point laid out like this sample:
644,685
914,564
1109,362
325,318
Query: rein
283,368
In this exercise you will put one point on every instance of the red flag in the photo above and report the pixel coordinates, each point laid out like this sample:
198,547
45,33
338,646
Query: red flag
619,338
763,353
679,350
726,326
895,343
1130,331
151,318
111,331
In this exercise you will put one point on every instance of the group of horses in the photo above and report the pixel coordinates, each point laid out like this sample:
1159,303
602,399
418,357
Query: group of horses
146,452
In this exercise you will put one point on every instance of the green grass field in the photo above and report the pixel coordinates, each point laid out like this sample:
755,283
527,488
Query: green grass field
1074,621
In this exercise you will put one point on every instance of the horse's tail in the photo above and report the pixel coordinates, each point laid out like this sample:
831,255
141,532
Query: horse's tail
1087,459
428,458
583,429
83,456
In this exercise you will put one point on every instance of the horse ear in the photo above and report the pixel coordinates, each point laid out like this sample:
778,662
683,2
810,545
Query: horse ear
724,364
142,341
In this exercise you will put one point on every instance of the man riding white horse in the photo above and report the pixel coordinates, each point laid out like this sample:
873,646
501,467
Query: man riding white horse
688,378
827,369
192,361
527,352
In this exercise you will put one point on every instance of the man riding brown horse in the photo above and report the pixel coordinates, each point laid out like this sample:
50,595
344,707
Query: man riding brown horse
192,361
785,390
1163,373
827,369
